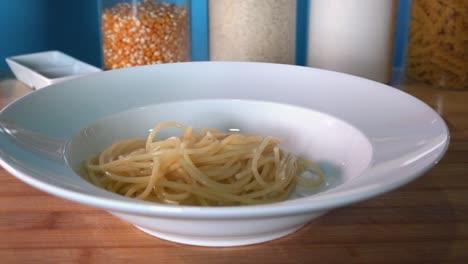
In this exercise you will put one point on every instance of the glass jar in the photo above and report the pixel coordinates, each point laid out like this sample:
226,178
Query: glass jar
438,43
141,32
253,30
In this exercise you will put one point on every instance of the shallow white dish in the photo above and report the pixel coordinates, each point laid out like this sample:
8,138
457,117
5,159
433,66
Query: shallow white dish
369,138
41,69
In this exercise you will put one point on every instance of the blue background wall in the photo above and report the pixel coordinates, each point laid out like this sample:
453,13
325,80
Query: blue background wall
72,26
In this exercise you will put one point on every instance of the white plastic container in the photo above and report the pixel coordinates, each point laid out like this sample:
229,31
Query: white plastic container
353,36
41,69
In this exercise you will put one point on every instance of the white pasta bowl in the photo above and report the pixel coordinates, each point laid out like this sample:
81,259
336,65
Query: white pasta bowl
368,138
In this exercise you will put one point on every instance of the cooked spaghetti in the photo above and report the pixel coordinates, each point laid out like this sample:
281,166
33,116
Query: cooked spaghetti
208,168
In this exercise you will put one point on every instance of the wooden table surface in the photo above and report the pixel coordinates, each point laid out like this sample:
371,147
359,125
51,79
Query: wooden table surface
425,221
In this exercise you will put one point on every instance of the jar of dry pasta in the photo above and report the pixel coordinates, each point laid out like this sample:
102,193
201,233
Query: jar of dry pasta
438,43
253,30
141,32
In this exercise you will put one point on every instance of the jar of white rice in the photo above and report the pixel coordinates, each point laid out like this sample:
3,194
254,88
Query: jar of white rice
253,30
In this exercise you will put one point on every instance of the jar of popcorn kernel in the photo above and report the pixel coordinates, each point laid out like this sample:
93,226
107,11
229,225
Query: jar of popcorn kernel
141,32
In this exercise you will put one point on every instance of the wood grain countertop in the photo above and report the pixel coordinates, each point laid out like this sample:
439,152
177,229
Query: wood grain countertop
425,221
